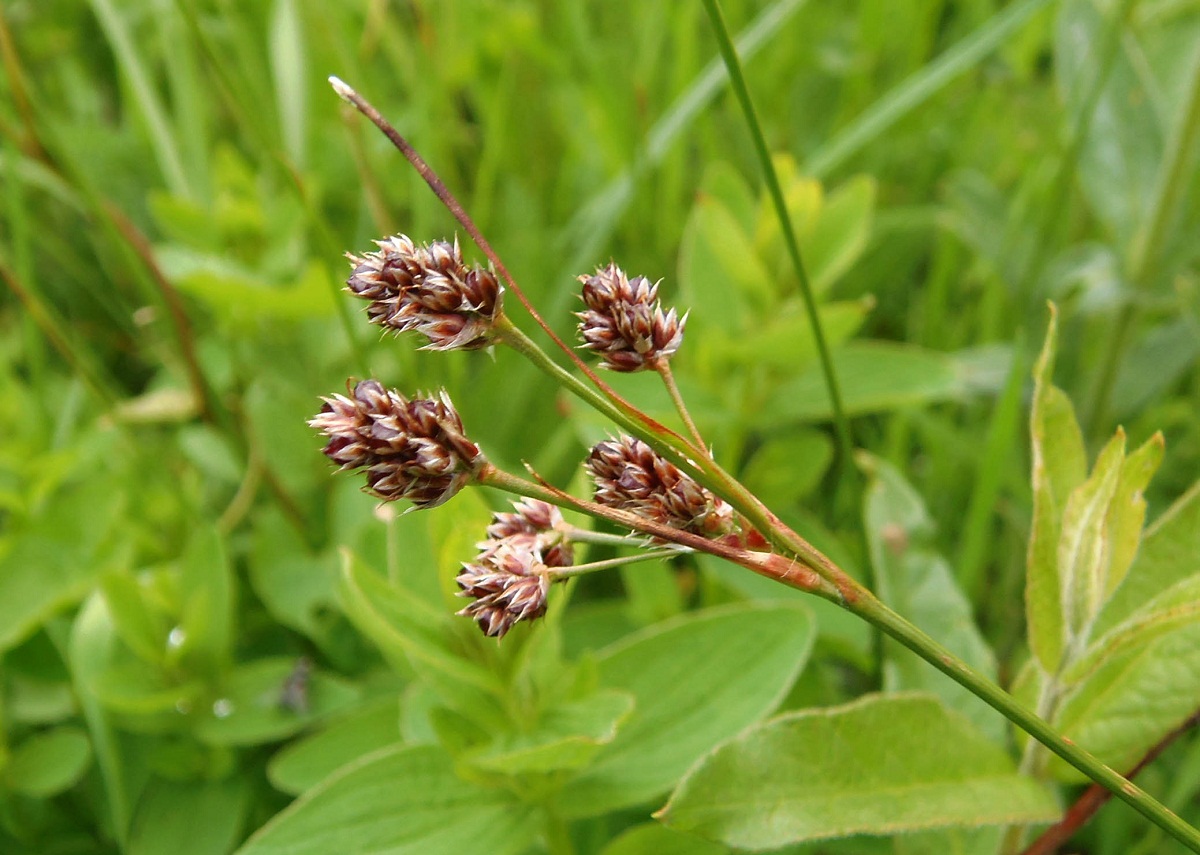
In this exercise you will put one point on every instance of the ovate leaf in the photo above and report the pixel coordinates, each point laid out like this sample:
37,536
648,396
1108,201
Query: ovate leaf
402,801
881,765
49,762
696,680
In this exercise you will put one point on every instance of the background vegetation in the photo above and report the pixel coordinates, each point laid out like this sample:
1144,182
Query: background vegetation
179,185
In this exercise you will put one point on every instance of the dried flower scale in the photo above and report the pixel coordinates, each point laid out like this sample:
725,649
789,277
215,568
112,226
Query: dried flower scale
624,321
410,449
427,289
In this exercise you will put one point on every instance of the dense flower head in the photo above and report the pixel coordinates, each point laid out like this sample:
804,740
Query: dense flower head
427,289
624,321
631,476
410,449
507,583
537,518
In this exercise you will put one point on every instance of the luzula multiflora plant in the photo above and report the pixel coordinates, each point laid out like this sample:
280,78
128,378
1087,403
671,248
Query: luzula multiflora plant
664,486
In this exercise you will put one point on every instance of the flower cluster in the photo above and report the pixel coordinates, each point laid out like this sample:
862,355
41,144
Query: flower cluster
410,449
632,476
624,321
510,578
427,289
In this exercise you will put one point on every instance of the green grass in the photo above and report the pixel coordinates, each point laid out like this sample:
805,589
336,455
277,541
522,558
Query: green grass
179,184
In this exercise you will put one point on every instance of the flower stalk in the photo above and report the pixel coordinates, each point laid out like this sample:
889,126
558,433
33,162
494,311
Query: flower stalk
656,482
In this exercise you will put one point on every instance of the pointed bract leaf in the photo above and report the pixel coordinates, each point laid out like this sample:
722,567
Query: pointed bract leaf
1059,466
881,765
1127,512
1083,546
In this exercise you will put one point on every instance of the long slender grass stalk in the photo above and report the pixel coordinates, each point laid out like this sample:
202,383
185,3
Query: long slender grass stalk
845,443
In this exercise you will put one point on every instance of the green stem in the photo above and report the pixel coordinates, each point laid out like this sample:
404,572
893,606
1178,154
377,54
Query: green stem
879,615
609,563
663,367
738,81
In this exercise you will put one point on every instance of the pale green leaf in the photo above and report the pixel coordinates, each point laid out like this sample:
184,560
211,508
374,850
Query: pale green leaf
881,765
253,709
919,584
874,376
304,763
1169,553
402,801
655,839
840,233
189,817
1059,466
1127,512
49,762
1083,543
1144,689
566,736
697,679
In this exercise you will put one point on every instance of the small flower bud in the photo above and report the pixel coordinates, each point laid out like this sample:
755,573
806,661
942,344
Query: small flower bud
410,449
624,321
427,289
632,476
507,583
538,518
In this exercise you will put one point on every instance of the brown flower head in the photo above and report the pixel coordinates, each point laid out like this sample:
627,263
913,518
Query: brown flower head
427,289
410,449
624,321
632,476
506,584
538,518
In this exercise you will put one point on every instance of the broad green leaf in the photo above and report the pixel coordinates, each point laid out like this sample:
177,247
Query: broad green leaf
918,583
1174,608
840,233
1169,553
566,736
41,571
402,801
656,839
784,339
951,841
143,628
880,765
208,608
1082,543
49,762
413,633
696,679
245,297
1059,466
190,817
874,376
294,584
1143,690
787,466
253,709
304,763
1124,143
720,274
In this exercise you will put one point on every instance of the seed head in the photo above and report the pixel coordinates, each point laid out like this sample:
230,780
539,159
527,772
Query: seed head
410,449
427,289
632,476
537,518
507,583
624,321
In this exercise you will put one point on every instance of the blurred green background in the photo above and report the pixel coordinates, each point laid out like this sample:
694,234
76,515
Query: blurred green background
179,185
